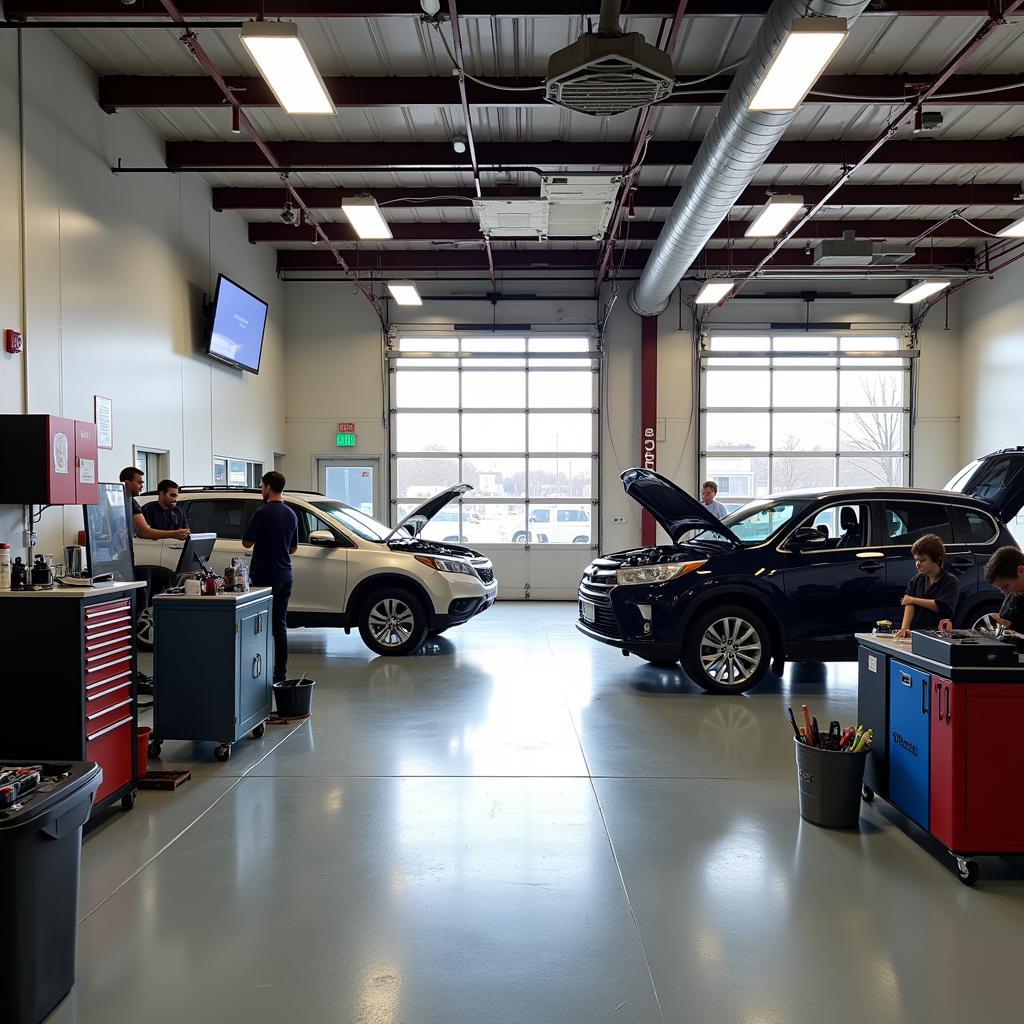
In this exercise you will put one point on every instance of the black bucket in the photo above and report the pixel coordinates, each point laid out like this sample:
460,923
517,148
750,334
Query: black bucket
294,697
830,784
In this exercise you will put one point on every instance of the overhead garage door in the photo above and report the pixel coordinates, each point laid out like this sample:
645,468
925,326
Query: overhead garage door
517,418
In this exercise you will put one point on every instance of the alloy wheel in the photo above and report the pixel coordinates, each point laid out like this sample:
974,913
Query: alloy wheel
145,627
730,651
391,622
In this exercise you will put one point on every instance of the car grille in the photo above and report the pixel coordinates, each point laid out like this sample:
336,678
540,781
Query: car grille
484,569
596,586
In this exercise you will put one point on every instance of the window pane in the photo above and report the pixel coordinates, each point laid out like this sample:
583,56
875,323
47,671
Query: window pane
975,527
493,432
871,471
427,345
905,521
843,525
561,390
737,344
494,345
559,524
561,432
493,524
427,432
558,345
790,473
871,431
237,476
790,347
804,431
736,431
225,517
444,526
802,388
869,344
738,479
485,390
420,478
570,477
495,478
872,388
426,390
737,388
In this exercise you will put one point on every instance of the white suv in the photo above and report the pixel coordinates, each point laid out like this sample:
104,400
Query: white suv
556,524
350,570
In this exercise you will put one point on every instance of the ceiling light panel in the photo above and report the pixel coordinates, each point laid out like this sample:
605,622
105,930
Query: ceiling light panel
713,292
364,215
285,64
1014,230
405,293
512,218
805,52
920,291
777,213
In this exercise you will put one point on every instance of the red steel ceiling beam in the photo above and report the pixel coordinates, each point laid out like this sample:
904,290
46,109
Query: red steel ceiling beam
880,146
447,196
639,231
16,10
193,91
731,260
440,155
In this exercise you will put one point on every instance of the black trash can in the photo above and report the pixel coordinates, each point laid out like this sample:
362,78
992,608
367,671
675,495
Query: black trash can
294,697
830,784
40,857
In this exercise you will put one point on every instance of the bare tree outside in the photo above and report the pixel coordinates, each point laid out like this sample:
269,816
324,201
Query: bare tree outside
880,430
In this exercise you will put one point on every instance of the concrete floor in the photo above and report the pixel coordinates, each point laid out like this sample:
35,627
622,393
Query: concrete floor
519,825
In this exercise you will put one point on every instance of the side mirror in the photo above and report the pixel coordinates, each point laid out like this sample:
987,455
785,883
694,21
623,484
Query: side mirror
323,537
807,537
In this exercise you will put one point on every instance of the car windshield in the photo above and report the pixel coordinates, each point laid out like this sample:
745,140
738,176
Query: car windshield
353,520
755,522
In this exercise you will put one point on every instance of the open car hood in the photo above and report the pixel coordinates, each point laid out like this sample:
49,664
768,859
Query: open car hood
675,510
418,518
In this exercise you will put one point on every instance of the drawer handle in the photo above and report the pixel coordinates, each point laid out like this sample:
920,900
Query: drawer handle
109,728
111,679
101,628
103,693
257,666
106,711
124,649
106,643
924,696
90,671
106,609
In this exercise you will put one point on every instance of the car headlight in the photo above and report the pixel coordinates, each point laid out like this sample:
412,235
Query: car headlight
446,564
655,573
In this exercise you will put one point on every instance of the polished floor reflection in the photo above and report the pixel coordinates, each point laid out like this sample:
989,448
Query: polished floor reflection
518,825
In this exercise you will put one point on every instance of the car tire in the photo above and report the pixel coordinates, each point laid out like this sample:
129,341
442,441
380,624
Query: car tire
520,537
392,622
727,650
144,626
581,540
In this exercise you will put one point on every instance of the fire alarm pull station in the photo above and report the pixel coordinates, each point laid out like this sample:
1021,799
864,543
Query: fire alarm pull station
12,341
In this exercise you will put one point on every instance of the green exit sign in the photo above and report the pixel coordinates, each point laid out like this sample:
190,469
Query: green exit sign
346,440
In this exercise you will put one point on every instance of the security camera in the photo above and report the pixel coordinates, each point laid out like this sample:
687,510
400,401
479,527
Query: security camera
289,215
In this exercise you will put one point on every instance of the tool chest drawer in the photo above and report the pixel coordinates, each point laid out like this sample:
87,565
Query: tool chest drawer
111,746
107,693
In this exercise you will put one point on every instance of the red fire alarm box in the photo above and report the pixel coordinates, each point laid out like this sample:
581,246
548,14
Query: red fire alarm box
40,455
12,342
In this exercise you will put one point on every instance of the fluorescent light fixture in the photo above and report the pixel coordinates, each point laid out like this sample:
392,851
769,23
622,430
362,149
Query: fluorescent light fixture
805,52
285,64
713,292
1014,230
404,293
777,213
921,291
364,215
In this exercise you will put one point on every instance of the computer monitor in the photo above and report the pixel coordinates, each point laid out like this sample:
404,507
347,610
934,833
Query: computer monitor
108,534
195,554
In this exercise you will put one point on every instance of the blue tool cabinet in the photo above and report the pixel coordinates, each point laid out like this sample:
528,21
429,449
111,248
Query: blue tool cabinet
909,740
213,667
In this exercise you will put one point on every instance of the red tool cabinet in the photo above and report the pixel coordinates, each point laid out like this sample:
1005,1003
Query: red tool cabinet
977,767
49,460
68,685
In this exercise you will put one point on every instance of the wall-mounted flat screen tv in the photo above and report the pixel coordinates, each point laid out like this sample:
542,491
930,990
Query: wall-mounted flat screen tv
237,325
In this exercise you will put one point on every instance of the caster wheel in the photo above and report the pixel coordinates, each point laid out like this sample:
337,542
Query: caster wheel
223,752
868,794
968,871
128,801
259,730
155,746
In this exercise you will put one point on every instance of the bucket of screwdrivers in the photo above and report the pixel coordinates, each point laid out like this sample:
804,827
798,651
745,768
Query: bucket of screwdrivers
829,770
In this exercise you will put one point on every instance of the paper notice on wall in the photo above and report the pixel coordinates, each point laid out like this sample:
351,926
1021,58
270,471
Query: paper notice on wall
87,471
872,663
60,452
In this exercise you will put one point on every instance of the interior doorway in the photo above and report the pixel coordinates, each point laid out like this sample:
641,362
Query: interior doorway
355,481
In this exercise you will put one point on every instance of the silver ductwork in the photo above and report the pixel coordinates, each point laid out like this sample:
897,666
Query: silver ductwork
736,146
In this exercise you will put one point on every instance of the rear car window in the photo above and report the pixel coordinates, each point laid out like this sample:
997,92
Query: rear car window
226,517
904,522
976,527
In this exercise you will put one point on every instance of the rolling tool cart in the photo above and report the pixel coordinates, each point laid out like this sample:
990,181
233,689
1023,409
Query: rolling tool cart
43,807
213,665
952,764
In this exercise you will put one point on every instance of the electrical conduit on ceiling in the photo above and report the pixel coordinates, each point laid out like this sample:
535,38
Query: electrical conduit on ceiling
736,146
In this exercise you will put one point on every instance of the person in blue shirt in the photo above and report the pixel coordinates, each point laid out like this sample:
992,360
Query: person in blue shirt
709,499
132,477
165,513
273,534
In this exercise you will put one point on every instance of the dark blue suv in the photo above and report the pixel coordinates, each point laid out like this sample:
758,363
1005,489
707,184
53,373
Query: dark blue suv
793,576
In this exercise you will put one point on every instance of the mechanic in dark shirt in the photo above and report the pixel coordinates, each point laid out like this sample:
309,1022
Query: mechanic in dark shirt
132,478
1005,571
165,513
932,594
273,533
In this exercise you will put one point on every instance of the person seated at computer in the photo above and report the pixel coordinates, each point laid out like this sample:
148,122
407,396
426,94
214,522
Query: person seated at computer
163,515
132,477
1005,571
932,594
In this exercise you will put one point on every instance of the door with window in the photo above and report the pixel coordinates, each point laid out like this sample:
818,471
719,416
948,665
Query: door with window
833,576
355,482
321,570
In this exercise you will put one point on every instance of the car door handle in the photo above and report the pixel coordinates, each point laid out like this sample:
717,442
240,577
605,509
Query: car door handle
870,566
962,563
175,547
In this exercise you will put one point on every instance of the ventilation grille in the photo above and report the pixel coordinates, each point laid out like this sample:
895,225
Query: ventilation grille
610,86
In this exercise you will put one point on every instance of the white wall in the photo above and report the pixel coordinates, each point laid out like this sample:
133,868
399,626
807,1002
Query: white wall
992,365
114,270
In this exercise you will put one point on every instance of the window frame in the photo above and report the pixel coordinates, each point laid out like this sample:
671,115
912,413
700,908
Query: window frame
867,518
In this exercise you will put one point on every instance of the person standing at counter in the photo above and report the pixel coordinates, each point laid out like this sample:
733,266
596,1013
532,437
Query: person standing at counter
273,534
932,594
132,478
164,513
